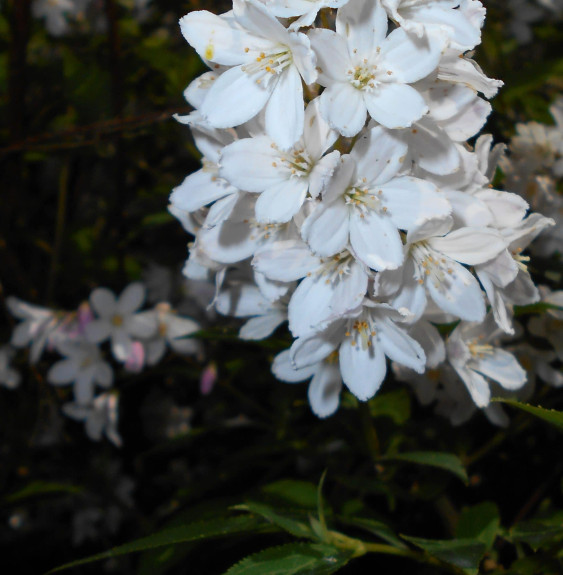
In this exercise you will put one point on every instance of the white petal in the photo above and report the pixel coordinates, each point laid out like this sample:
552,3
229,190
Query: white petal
395,105
281,202
84,386
411,201
468,210
98,330
63,372
326,229
255,17
242,301
363,370
283,369
322,172
431,341
470,245
343,107
120,345
324,390
252,164
458,293
318,136
142,325
234,98
198,190
503,368
363,24
477,386
104,374
218,39
103,301
285,112
332,56
507,209
311,349
409,58
399,346
131,299
262,326
285,261
375,240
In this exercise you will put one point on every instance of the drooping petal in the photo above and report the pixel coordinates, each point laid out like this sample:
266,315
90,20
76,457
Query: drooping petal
502,367
363,370
324,390
263,326
285,113
283,369
399,346
198,190
312,348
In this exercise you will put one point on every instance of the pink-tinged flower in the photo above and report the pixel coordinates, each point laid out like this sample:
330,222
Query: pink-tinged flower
208,379
117,319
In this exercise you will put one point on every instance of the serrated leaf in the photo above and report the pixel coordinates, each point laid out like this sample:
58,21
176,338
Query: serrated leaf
395,405
292,559
550,415
301,493
286,521
463,553
446,461
192,532
377,528
480,522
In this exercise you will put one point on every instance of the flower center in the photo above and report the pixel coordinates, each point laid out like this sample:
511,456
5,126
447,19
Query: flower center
364,198
363,76
478,349
296,160
362,330
117,321
521,261
268,65
432,266
334,267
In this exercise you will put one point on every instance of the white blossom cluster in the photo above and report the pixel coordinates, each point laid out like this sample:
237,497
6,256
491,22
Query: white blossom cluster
137,339
338,191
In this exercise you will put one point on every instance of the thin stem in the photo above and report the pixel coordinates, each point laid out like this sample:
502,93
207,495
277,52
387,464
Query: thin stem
370,433
59,230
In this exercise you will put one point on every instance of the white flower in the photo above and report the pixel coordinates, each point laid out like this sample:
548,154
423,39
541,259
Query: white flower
9,377
55,13
38,328
266,63
283,178
366,72
362,339
420,16
172,330
117,319
100,417
84,366
245,300
326,383
474,357
367,203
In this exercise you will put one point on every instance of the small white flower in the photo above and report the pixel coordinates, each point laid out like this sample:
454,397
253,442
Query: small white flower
117,319
84,366
100,417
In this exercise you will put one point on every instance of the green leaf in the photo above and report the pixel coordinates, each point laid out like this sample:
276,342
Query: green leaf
182,534
396,405
446,461
37,488
300,493
550,415
377,528
287,522
479,522
537,533
292,559
463,553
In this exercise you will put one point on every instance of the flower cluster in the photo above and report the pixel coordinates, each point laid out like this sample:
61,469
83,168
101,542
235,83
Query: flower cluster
137,339
338,191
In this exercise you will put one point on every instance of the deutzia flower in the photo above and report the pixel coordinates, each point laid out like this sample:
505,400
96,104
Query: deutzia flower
307,10
365,71
474,357
100,417
117,319
266,63
83,365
